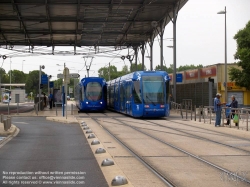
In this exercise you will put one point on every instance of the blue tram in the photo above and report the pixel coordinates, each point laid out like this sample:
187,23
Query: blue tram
140,94
91,94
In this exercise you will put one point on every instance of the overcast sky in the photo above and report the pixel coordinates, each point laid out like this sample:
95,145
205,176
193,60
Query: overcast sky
200,40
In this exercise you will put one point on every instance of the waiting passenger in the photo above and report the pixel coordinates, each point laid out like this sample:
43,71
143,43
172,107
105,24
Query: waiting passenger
217,109
234,104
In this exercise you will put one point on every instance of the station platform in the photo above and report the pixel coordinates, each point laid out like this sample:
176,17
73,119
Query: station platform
228,148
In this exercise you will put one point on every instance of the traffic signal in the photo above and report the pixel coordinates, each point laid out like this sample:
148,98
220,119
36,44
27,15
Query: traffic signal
41,86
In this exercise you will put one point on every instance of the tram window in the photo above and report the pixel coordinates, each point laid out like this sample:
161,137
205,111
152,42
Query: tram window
112,96
104,92
116,92
82,94
137,92
121,93
128,91
94,91
153,92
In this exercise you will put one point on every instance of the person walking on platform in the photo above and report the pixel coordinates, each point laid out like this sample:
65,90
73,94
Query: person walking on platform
234,104
217,109
50,100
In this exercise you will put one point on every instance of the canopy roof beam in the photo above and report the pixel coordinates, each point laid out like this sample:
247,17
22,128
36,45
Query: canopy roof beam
15,8
131,23
49,23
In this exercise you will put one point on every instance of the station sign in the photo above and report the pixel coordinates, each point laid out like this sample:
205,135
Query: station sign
208,72
74,75
51,84
193,74
60,76
179,77
44,79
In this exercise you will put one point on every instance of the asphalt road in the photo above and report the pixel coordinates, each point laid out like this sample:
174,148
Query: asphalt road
47,153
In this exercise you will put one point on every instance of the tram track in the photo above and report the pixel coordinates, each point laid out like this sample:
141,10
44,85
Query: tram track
138,129
246,139
197,136
167,181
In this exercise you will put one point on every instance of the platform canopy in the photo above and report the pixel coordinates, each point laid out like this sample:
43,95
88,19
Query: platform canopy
83,22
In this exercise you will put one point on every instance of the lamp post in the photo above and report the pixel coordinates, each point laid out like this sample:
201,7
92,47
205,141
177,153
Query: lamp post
40,67
22,65
49,77
10,73
225,84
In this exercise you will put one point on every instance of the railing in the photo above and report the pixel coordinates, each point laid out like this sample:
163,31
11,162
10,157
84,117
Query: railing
176,107
183,109
36,107
207,114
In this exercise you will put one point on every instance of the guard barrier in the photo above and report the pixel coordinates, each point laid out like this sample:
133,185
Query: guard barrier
207,114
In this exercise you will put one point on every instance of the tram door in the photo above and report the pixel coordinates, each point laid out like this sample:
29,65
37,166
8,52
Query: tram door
122,98
128,97
117,98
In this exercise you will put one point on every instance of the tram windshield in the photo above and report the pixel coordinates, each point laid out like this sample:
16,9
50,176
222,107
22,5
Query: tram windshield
153,89
94,91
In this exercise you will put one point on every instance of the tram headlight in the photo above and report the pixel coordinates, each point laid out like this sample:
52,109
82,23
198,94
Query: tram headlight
162,106
101,103
146,106
87,102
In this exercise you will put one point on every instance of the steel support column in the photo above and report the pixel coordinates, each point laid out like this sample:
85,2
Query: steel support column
136,57
151,44
174,20
143,54
161,46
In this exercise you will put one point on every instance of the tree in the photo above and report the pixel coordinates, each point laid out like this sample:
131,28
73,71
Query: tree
241,75
3,76
125,70
17,76
189,67
139,67
104,72
181,68
58,83
164,68
32,82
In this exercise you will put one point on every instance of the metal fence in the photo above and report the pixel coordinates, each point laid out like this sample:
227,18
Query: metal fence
206,114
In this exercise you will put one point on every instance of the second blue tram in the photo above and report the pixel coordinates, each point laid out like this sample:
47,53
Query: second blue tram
91,94
140,94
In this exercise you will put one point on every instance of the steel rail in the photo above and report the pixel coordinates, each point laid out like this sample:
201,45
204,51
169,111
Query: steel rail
150,167
188,153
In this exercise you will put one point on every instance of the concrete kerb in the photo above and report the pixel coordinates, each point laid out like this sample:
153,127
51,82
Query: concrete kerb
69,120
11,131
109,172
